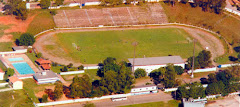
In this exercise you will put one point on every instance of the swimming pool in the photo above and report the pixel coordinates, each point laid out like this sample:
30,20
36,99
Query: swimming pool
16,59
23,68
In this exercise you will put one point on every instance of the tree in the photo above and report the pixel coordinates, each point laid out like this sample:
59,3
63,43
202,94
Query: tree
169,77
212,78
179,70
59,2
140,73
58,91
21,11
109,81
158,74
109,63
26,39
111,2
213,89
70,65
204,58
80,87
196,90
64,69
10,72
45,4
45,98
181,92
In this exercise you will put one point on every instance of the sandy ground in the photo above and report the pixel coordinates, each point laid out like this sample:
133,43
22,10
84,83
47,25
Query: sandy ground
233,101
204,38
15,26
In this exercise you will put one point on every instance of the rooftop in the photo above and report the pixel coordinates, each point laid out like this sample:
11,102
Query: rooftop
156,60
1,71
41,75
19,47
144,86
43,61
14,79
46,66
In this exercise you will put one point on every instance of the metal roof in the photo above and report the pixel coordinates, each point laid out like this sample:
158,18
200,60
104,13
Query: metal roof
157,60
49,74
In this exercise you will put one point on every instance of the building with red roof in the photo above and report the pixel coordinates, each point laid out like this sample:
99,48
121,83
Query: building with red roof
44,64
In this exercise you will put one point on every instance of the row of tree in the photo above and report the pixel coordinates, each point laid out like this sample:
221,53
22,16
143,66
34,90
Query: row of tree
114,78
216,6
17,8
45,4
223,82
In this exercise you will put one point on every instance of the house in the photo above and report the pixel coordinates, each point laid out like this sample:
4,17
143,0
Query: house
152,63
146,89
46,77
15,82
1,74
44,64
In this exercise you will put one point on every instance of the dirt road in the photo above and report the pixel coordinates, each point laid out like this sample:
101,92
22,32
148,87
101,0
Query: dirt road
204,38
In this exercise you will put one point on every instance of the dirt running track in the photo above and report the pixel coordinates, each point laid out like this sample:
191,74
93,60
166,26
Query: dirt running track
204,38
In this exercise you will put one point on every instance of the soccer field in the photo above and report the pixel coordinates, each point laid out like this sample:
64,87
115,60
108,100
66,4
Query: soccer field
94,47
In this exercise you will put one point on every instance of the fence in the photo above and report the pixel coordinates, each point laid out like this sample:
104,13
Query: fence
3,84
71,72
203,70
91,67
232,11
82,100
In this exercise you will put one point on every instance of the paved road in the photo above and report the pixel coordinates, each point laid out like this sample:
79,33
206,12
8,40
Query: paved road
160,96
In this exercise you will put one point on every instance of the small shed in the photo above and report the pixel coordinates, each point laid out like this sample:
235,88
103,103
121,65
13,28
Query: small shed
46,77
1,74
20,48
15,82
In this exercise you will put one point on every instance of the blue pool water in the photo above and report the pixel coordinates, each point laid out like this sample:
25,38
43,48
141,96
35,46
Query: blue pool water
16,59
23,68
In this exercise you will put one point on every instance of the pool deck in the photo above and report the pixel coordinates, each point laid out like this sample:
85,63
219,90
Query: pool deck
26,59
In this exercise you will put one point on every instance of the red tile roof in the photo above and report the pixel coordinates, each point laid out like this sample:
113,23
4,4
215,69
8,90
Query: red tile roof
1,70
43,61
46,66
14,79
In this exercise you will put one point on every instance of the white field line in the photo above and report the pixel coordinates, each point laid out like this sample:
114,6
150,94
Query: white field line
88,17
119,17
66,18
111,16
130,14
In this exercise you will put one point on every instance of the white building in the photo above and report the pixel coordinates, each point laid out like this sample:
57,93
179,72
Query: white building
15,82
152,63
1,74
146,89
46,77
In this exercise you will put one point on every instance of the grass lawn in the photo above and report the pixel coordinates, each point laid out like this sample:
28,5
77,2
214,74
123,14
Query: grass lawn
92,73
20,99
226,25
94,47
197,75
43,21
171,103
5,46
31,87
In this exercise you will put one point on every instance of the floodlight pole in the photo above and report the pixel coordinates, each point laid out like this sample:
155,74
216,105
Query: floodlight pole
193,59
134,46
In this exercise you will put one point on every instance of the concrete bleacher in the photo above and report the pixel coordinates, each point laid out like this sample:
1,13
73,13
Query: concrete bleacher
152,14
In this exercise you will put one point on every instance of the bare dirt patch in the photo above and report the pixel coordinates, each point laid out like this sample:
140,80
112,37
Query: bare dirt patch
15,26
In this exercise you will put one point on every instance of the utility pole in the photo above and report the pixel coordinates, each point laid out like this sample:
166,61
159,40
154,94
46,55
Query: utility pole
193,59
134,46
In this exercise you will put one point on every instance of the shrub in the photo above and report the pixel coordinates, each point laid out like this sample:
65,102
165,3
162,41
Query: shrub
10,72
70,65
39,55
81,67
26,39
53,12
45,98
140,73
